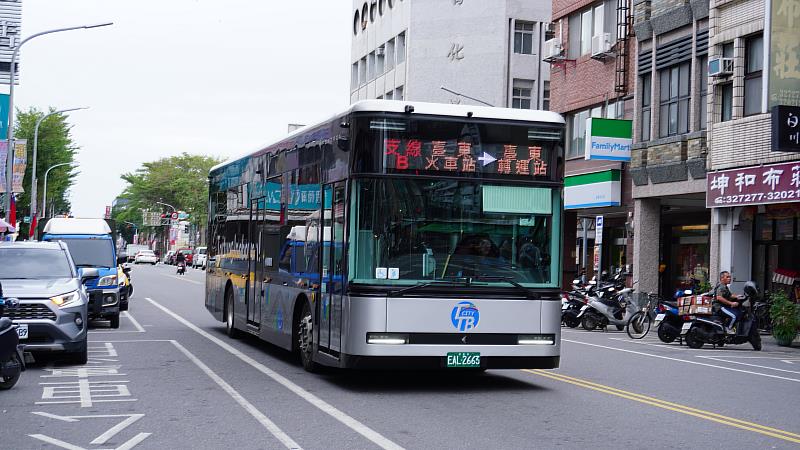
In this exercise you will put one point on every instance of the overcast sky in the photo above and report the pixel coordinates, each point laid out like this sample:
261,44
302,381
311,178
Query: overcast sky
171,76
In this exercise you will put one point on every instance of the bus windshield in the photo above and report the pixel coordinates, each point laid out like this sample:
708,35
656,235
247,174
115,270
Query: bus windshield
409,231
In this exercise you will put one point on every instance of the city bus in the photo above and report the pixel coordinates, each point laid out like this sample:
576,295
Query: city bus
396,235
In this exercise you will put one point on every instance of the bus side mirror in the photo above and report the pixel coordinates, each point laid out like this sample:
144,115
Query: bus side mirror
343,143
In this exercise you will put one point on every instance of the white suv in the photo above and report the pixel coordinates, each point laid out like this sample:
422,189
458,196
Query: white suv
200,257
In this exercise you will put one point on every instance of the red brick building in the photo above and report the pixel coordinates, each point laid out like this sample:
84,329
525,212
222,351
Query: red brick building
592,75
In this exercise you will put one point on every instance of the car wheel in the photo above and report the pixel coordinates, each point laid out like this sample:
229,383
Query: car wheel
114,320
81,356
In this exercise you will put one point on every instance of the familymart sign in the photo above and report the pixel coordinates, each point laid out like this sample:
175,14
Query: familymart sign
608,139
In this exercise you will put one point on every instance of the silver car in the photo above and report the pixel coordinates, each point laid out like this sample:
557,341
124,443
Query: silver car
53,304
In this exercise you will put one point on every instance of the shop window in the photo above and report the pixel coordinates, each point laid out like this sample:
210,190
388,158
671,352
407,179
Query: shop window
726,103
577,131
784,229
754,64
763,228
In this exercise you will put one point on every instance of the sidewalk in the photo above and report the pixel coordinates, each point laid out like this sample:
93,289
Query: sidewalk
768,345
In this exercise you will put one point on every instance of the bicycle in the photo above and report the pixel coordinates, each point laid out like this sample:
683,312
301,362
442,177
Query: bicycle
639,324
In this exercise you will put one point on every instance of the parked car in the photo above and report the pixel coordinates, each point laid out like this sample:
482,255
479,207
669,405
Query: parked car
187,254
199,258
53,309
133,249
168,257
145,257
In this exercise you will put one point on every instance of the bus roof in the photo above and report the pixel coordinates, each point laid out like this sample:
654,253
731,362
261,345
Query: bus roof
423,108
77,226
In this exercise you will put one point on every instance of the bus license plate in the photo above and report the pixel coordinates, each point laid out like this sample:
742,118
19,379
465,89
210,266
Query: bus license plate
463,359
22,331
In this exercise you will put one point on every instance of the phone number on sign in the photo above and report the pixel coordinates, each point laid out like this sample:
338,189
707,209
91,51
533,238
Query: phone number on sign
759,197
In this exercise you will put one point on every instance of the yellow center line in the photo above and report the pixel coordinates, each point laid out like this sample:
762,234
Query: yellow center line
699,413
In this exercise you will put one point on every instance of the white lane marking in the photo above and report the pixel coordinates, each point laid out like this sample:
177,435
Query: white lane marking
133,442
679,348
133,321
183,278
56,442
720,359
326,407
249,407
681,360
130,419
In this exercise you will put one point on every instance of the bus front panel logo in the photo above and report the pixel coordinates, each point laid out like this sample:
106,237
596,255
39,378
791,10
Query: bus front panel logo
465,316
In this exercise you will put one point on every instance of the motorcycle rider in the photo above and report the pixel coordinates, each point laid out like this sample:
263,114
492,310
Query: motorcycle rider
180,258
726,302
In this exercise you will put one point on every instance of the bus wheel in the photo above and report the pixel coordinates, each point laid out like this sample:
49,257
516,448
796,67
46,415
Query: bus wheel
305,335
229,328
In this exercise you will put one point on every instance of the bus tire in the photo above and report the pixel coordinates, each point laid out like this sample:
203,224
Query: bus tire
305,337
230,329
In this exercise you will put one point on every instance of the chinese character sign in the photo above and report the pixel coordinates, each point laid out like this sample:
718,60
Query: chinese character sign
456,156
784,48
785,128
777,183
20,156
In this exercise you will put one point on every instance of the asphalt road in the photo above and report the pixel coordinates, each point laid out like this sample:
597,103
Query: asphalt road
170,378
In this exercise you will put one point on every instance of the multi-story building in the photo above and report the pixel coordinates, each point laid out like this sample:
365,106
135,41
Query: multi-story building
451,51
668,160
591,58
754,191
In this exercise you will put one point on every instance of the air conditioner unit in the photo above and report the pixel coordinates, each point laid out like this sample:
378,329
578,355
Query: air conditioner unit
552,48
601,44
719,67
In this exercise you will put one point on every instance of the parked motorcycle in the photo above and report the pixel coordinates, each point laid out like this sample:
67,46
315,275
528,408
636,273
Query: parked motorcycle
609,306
669,321
12,361
181,268
571,304
710,330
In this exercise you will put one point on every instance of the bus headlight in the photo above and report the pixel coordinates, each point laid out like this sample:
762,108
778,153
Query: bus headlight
108,280
387,338
66,300
536,339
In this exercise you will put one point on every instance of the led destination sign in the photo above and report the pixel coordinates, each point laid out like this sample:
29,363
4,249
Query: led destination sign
463,157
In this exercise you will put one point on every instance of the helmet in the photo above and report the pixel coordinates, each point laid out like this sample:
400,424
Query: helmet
751,290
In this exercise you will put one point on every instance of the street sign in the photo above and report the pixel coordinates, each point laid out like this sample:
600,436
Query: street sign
598,230
26,219
174,216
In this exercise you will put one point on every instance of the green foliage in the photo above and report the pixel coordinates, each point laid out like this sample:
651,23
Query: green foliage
181,181
785,317
705,286
55,147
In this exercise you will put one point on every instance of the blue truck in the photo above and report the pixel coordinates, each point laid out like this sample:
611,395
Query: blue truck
91,243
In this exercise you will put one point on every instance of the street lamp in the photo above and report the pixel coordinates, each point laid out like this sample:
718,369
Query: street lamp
167,204
35,150
10,151
47,172
465,96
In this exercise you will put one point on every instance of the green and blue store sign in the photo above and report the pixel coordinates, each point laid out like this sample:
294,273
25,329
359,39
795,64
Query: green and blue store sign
608,139
593,190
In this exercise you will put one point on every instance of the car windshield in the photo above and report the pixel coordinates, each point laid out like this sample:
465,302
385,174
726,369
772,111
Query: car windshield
201,251
411,231
91,252
34,263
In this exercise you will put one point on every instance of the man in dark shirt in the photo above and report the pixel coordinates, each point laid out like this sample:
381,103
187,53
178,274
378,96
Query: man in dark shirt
725,301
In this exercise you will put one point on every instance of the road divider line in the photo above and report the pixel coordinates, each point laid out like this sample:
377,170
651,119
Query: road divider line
183,279
675,407
682,360
372,435
287,441
134,321
720,359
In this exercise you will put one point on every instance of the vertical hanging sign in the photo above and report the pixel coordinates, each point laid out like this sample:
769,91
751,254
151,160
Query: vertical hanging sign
784,48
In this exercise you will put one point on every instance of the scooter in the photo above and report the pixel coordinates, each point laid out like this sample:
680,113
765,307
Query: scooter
616,310
669,321
181,268
710,330
12,360
571,304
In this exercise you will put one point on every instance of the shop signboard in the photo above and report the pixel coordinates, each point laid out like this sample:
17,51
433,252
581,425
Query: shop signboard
593,190
608,139
784,48
786,128
758,185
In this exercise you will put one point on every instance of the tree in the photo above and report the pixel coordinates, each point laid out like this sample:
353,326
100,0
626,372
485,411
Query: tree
55,147
181,181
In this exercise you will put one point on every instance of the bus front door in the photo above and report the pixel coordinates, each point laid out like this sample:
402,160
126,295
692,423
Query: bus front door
329,309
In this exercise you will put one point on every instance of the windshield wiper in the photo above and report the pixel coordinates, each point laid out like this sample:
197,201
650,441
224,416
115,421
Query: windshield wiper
467,282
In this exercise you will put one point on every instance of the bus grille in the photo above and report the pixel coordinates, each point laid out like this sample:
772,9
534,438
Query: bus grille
29,311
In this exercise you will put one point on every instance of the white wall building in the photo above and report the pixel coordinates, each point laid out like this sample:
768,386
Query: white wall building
489,50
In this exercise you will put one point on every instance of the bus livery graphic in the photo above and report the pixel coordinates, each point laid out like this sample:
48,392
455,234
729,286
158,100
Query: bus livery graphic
465,316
